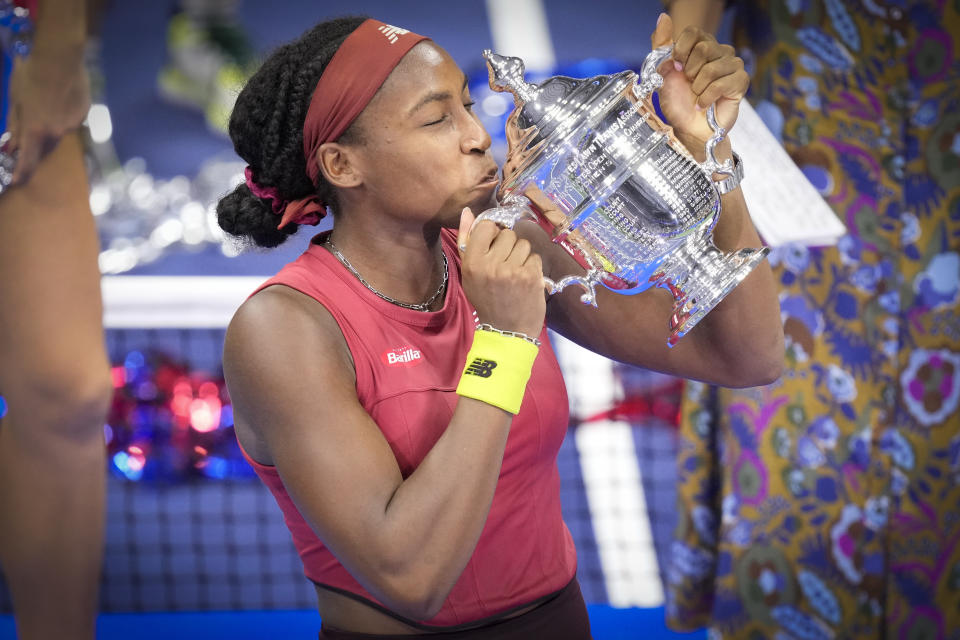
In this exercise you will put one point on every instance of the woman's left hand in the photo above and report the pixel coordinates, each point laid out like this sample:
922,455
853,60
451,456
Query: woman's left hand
708,73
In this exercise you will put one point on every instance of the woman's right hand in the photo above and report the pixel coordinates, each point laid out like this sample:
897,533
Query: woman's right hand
502,277
703,72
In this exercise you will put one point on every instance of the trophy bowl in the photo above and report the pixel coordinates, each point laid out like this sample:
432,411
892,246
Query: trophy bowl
593,165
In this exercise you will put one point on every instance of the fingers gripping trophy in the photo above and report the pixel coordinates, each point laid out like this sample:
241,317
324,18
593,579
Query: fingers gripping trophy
590,162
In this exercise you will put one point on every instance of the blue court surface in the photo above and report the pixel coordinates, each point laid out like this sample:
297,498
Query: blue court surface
608,624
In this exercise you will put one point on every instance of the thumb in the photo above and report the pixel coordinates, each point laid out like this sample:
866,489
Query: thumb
663,33
466,223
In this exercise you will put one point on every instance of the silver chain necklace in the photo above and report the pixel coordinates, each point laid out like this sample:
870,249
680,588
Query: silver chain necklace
420,306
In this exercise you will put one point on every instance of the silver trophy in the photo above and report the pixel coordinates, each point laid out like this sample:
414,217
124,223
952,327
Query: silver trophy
590,161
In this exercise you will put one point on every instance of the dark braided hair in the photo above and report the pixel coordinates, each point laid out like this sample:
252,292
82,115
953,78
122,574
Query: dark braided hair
266,128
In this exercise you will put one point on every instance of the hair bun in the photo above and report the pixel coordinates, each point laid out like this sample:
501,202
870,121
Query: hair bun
266,127
245,216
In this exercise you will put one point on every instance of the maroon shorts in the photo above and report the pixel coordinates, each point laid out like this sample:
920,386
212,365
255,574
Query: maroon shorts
562,617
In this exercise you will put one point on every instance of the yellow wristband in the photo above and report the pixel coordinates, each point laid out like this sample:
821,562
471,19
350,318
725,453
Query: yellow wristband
497,370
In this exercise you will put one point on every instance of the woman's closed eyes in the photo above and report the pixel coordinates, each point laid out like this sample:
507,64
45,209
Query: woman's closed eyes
446,116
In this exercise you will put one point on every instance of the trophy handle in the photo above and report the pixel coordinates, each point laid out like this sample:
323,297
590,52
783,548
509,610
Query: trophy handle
510,213
651,80
712,165
517,209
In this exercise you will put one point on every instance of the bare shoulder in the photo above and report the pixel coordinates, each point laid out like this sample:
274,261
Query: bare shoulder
281,347
280,309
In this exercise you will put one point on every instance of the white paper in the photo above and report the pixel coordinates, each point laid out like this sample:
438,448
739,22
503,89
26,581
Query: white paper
783,204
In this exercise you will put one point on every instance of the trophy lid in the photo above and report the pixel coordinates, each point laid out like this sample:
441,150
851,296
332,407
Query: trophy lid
557,102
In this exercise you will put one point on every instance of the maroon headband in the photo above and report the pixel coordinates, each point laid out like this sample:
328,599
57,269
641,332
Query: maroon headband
347,85
356,71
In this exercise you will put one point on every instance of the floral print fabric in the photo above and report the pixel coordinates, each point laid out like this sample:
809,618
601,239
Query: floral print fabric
827,505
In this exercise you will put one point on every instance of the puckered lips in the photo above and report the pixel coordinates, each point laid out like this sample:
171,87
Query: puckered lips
490,178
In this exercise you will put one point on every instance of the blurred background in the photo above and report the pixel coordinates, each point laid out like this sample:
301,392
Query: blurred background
196,546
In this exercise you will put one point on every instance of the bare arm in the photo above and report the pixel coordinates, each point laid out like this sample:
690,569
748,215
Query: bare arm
406,541
740,342
49,90
703,14
292,381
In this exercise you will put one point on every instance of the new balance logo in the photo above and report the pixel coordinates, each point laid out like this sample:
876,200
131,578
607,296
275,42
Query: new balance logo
392,32
481,367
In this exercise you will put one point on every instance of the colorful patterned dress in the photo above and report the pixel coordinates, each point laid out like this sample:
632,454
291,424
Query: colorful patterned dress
827,505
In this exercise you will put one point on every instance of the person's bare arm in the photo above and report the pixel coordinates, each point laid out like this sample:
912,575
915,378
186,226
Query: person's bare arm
740,342
703,14
292,382
49,90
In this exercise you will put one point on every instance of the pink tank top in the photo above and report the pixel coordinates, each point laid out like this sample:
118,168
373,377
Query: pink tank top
408,364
